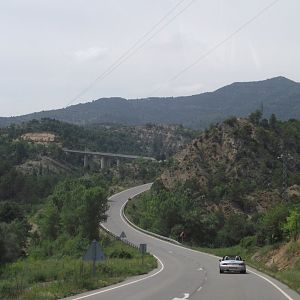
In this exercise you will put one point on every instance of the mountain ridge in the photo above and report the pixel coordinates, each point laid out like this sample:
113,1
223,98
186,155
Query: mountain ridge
277,95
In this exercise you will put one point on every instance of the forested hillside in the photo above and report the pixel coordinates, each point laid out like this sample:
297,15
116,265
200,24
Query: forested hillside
159,141
51,207
227,186
277,95
32,165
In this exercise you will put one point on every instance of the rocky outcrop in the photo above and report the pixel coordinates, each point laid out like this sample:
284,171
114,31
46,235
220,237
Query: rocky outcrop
234,167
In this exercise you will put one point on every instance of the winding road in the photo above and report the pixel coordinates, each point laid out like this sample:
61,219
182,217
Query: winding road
182,273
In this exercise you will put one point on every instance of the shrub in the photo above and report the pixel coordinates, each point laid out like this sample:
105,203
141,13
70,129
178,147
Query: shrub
120,253
248,242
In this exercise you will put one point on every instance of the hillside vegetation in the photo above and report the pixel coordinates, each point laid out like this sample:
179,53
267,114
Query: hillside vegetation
227,184
51,207
158,141
277,95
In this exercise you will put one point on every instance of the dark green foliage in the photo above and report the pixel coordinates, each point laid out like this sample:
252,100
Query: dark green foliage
232,121
13,237
9,247
271,226
292,225
255,117
248,242
235,228
73,211
120,253
10,211
169,214
273,121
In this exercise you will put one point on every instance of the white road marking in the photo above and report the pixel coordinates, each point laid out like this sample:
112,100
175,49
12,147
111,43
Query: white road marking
170,252
200,269
200,288
272,283
186,296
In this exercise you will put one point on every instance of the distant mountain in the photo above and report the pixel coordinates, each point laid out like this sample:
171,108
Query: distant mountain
278,95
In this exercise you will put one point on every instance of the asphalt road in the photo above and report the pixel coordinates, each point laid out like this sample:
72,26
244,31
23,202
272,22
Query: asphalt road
182,273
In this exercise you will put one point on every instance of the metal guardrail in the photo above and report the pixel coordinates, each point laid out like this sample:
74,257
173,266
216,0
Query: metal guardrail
146,231
118,238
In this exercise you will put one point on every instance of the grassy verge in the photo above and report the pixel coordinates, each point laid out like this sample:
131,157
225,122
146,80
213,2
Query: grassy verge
54,278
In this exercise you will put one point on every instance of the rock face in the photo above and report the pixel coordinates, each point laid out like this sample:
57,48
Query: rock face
39,137
234,166
161,140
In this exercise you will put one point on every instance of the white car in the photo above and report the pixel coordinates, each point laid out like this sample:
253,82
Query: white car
232,263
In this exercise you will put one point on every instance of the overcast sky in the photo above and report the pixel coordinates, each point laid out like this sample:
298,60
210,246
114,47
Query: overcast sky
51,50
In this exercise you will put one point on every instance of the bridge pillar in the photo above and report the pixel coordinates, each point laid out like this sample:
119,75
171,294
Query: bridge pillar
103,162
85,161
108,163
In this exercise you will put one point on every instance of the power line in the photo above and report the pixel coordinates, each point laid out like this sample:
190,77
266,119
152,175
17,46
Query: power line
146,41
139,44
219,44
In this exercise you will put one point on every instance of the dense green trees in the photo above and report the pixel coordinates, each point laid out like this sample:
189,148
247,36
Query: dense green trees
14,231
292,225
170,213
71,217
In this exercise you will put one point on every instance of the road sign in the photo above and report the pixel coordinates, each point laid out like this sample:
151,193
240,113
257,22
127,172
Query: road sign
143,248
123,235
94,253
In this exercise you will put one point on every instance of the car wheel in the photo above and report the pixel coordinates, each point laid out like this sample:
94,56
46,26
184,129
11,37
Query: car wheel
243,272
221,271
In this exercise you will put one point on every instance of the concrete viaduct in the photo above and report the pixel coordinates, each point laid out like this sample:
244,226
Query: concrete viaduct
106,158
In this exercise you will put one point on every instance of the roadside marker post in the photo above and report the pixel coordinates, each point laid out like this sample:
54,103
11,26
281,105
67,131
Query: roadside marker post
143,250
94,254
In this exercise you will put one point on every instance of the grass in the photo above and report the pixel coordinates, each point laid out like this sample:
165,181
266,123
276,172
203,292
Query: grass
53,278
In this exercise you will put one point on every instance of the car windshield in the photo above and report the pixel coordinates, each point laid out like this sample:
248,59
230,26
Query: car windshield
232,258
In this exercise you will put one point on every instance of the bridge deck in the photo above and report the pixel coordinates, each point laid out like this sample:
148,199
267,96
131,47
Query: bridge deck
107,154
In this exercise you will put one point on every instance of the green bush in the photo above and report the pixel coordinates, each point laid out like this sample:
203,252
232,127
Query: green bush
248,242
120,253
